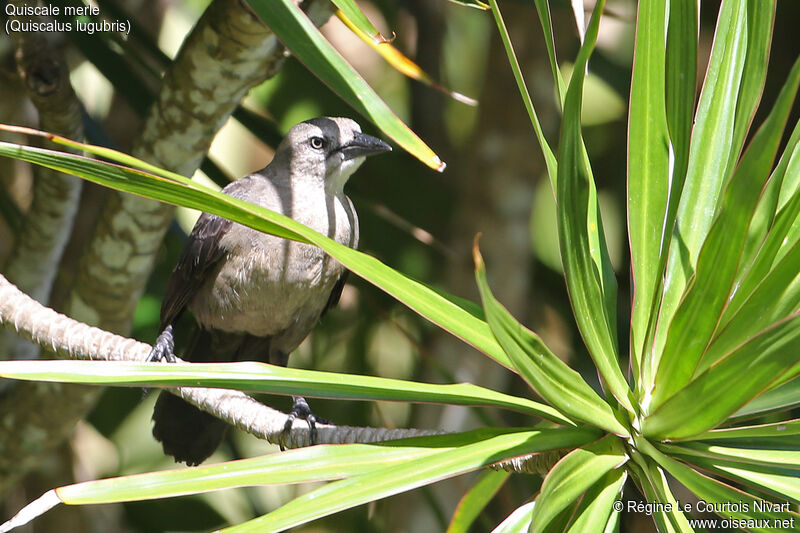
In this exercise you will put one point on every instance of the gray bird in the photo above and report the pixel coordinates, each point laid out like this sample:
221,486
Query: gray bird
254,296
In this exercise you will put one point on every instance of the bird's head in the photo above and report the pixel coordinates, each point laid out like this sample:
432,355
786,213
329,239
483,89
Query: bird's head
333,145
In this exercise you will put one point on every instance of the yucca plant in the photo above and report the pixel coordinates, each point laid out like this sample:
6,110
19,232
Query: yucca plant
713,215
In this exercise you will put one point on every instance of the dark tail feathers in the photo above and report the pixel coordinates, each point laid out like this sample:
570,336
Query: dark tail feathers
186,433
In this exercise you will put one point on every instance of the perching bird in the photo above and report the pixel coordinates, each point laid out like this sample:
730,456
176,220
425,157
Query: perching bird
254,296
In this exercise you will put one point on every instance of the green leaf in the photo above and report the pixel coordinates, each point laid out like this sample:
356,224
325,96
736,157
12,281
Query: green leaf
769,434
315,463
303,38
781,398
745,456
261,377
711,146
549,157
359,19
681,82
182,191
760,18
777,193
717,264
573,474
656,488
381,483
717,494
596,511
475,501
681,92
590,279
758,468
648,168
517,522
768,238
773,299
483,6
548,375
765,359
543,9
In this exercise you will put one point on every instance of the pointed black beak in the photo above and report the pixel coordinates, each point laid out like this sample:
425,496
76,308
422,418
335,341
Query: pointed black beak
363,145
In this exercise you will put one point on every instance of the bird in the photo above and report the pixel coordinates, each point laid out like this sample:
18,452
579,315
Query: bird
255,296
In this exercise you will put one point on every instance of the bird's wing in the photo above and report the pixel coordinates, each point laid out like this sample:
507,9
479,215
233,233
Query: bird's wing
199,256
336,293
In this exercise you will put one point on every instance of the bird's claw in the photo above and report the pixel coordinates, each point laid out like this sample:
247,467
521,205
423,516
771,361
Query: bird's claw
163,348
301,410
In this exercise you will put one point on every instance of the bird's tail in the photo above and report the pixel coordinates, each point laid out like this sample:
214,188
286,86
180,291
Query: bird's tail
186,433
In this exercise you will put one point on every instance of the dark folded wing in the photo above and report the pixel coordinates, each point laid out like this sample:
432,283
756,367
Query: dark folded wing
336,293
198,258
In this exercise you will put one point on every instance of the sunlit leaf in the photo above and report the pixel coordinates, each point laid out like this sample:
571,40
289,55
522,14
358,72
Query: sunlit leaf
574,474
400,62
553,379
303,38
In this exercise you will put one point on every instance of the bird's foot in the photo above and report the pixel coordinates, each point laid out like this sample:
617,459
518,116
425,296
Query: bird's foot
163,348
301,410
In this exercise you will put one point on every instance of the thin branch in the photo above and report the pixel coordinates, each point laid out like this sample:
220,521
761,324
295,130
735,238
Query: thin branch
75,340
71,339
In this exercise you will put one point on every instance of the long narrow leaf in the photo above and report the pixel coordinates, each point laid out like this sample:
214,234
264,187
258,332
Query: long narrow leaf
401,62
656,488
760,18
719,495
549,157
774,298
648,167
717,264
573,474
681,92
712,139
781,483
765,359
261,377
777,194
303,38
782,398
774,457
423,300
517,522
773,433
476,500
358,490
590,279
548,375
316,463
596,511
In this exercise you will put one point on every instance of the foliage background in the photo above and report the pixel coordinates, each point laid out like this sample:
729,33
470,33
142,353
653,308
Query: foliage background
412,218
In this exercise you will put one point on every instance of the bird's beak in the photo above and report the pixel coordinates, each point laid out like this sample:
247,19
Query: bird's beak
363,145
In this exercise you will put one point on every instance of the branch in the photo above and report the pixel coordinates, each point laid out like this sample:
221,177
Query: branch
69,338
37,251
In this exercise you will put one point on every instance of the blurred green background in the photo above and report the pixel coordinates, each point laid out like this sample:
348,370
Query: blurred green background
412,218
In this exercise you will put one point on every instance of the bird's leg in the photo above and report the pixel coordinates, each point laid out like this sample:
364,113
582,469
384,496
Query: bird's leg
163,348
301,410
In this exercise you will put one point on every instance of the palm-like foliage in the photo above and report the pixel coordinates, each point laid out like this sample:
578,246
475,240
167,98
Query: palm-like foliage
714,328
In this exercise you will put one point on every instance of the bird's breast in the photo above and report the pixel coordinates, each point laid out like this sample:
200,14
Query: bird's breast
267,285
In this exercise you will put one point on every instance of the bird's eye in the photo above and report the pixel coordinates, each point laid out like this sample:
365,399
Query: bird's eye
317,143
